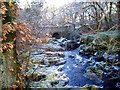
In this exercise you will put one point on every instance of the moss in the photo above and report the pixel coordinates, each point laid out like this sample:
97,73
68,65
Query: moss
90,87
94,70
10,68
105,41
31,60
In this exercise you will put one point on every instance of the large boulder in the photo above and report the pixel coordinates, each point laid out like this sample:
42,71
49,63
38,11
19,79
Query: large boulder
71,34
86,39
93,73
105,41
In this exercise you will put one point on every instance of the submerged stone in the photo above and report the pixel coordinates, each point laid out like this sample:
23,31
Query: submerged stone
91,76
99,59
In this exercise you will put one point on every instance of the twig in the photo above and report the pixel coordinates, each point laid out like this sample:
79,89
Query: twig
100,22
115,26
28,3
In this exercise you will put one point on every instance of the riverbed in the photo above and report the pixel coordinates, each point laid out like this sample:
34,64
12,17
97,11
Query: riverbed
55,66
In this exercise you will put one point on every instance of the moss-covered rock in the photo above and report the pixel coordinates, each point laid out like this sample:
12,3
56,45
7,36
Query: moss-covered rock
71,45
86,39
105,41
93,73
90,87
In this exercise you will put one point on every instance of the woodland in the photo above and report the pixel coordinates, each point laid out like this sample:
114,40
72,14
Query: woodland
75,45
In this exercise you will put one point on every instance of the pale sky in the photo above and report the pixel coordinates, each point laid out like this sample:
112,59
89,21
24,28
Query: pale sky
56,3
23,3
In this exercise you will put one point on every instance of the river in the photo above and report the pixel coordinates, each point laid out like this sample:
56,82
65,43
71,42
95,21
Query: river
61,68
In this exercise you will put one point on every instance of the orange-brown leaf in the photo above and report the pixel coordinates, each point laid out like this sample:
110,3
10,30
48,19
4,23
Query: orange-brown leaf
23,39
11,68
2,11
14,86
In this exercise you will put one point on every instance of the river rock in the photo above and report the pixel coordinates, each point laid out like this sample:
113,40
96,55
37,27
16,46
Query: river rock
71,56
52,78
71,45
113,57
61,54
60,68
87,86
107,69
35,77
86,51
62,61
62,40
90,61
39,77
53,47
58,83
100,65
102,41
93,73
87,39
53,40
62,44
53,62
52,54
91,76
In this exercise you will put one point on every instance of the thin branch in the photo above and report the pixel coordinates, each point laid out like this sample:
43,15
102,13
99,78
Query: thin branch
28,3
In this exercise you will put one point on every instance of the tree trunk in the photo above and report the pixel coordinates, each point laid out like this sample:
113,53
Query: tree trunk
110,15
8,58
106,19
118,11
7,75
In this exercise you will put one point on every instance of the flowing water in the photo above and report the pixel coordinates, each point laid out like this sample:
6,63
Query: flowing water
75,69
66,66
